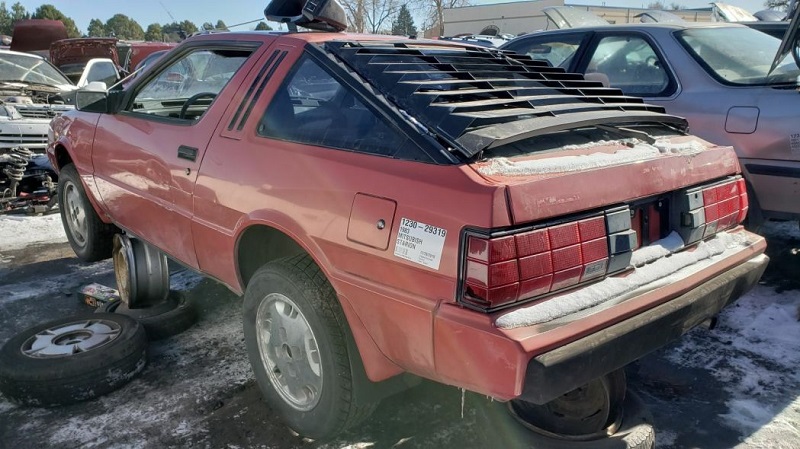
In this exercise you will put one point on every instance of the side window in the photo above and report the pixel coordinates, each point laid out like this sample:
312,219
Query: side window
312,107
102,71
186,88
558,53
629,63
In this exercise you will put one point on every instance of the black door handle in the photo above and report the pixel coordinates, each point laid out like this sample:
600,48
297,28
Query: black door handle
188,153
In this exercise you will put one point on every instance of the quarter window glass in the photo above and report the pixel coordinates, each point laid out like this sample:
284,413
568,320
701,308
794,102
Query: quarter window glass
314,108
186,88
630,64
558,53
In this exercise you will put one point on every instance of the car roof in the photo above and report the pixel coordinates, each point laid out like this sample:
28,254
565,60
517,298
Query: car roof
19,53
644,26
320,37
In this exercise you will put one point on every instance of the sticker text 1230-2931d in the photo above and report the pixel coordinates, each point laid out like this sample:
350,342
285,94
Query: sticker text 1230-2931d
420,243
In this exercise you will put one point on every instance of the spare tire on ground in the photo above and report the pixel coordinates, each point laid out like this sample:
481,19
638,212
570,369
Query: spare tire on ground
501,428
72,359
165,319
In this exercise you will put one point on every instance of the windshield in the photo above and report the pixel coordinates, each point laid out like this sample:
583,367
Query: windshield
30,70
740,56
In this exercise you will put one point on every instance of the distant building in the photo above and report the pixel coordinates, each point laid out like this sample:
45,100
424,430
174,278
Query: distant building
526,16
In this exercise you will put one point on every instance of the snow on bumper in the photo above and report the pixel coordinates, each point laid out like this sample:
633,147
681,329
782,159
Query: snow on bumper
539,362
657,266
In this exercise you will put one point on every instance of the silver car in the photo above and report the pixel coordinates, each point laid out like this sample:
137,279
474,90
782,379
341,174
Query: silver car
731,82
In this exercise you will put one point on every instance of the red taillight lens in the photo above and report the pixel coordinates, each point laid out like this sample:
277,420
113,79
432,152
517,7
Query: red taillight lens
710,209
506,269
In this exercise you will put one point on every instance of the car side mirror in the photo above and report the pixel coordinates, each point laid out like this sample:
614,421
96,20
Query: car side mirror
92,98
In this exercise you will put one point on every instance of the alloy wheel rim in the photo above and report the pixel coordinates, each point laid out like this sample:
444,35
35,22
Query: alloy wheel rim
71,339
75,213
289,351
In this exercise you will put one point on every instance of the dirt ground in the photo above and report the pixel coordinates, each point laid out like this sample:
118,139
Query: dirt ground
735,386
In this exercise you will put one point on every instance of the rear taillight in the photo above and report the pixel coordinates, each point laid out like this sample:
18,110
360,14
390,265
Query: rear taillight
505,269
708,209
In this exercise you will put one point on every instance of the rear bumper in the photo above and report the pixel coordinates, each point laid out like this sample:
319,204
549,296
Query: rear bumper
572,365
539,362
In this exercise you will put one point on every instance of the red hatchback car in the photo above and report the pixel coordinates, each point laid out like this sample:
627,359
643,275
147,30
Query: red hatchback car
390,205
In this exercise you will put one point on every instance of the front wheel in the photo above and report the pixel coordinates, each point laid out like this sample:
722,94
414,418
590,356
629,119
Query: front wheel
296,336
89,237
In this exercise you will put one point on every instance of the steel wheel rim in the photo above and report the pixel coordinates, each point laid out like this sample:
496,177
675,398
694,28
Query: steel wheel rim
586,413
289,351
72,338
75,213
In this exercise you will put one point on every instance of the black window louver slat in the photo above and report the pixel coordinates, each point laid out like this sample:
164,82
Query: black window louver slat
477,98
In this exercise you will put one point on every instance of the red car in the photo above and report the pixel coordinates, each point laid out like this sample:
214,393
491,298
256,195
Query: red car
393,206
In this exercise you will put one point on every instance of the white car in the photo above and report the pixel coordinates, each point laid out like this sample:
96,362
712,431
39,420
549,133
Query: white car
32,92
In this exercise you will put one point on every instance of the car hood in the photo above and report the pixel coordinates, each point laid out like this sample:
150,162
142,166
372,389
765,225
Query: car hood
569,17
723,12
77,51
789,39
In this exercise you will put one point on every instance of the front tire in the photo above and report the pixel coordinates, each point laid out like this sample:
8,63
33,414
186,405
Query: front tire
296,336
89,237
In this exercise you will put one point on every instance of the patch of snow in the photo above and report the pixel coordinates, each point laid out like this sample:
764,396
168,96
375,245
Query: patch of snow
21,231
658,249
563,164
666,270
755,352
687,147
665,438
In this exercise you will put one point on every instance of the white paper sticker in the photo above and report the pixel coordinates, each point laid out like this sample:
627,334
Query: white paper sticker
420,243
794,143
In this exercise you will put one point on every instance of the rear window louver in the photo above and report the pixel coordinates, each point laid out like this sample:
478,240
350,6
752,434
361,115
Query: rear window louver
476,98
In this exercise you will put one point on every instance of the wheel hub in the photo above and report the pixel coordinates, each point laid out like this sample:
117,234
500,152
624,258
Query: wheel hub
289,351
70,339
587,412
75,214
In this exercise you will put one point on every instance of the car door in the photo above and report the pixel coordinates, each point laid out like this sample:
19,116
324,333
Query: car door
146,155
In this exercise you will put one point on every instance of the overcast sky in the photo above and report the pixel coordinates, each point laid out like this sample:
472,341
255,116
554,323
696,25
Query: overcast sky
237,11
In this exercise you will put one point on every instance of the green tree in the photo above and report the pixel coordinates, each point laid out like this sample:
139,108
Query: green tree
403,25
262,26
18,12
123,27
5,20
221,25
207,26
781,5
154,33
51,13
96,28
178,31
